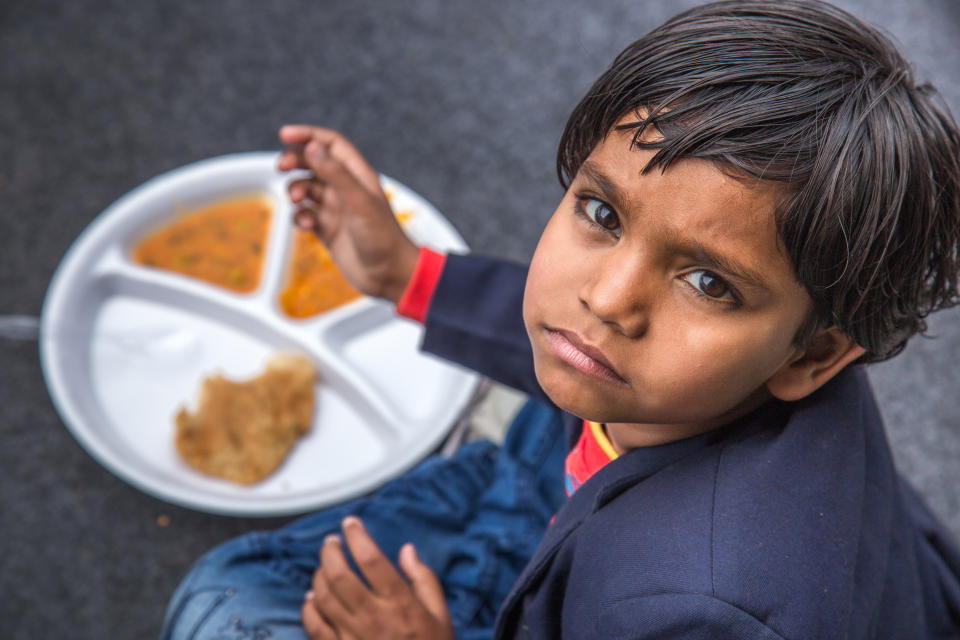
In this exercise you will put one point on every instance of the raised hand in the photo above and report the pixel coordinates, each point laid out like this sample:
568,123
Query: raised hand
342,202
341,607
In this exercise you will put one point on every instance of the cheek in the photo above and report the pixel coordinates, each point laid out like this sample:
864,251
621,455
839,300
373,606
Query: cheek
531,292
728,360
546,277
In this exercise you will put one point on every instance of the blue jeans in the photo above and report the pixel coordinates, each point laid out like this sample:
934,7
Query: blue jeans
475,519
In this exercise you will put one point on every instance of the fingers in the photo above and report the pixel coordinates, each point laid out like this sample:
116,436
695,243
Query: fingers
329,185
328,592
341,606
313,623
306,188
301,134
328,169
339,577
426,585
326,602
306,219
309,194
318,209
292,159
375,566
335,144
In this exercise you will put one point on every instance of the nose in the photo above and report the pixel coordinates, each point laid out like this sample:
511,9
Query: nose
619,291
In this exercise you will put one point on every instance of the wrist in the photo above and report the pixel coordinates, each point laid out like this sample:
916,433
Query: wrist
401,273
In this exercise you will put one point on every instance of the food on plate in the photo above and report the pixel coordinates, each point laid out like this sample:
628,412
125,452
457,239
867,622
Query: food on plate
403,215
242,431
314,284
222,243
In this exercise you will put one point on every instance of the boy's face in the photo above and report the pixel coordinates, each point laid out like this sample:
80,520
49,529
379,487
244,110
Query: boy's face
661,299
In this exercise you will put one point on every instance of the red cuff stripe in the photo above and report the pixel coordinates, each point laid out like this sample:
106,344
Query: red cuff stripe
415,301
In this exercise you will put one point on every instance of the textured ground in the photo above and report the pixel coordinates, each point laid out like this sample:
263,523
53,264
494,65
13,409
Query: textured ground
462,101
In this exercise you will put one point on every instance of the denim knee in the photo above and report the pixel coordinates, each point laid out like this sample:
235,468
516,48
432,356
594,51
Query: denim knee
253,586
232,592
476,517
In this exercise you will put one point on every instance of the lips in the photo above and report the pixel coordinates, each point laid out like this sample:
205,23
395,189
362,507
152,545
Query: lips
589,360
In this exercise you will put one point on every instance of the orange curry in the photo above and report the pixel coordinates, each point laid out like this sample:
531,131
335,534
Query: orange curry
314,284
223,243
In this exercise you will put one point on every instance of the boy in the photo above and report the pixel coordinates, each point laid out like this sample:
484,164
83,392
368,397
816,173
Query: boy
758,197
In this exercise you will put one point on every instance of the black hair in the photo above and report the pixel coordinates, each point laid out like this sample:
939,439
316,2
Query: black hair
803,94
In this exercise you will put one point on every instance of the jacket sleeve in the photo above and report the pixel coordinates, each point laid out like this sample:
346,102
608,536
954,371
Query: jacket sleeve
688,616
475,319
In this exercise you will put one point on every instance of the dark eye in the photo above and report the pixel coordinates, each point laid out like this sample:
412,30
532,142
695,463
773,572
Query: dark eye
602,213
709,284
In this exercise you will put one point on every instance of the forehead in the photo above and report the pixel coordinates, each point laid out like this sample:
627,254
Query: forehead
693,202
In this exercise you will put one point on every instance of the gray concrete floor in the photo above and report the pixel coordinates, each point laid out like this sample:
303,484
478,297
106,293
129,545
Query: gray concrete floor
462,101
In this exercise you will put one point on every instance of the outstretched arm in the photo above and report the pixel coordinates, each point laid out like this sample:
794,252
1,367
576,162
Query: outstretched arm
475,317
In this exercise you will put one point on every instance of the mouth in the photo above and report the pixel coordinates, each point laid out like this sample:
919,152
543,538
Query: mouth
586,359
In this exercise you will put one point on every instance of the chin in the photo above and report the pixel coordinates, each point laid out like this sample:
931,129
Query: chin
574,396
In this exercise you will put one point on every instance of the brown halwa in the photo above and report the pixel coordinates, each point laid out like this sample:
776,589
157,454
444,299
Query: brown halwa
222,243
242,431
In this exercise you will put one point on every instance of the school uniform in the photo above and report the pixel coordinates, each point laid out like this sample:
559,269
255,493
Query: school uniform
789,523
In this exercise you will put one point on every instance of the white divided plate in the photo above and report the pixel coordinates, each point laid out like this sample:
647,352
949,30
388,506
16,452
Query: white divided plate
123,347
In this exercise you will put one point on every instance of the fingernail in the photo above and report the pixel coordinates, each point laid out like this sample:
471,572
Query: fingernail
351,521
308,595
332,539
304,220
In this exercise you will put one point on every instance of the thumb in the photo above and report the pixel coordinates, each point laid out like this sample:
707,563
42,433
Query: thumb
425,583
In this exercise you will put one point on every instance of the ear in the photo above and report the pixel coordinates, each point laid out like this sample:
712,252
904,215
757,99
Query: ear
826,355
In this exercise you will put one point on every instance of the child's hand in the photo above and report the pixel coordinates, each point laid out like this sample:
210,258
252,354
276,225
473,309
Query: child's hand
342,202
340,606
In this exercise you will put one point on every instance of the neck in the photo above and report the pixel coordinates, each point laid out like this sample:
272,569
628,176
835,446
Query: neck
626,436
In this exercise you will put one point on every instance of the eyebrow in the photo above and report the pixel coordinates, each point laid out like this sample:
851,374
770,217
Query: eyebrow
703,254
610,190
720,262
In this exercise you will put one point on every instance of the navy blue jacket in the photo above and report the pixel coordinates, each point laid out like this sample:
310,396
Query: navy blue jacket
789,523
